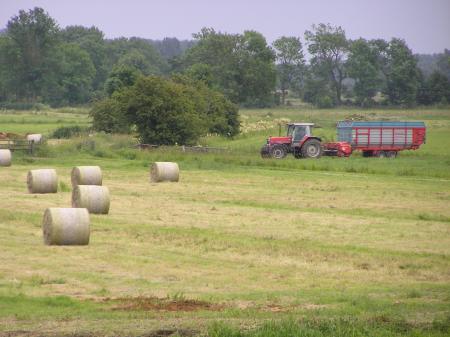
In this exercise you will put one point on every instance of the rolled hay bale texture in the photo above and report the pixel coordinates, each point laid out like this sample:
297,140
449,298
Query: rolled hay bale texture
86,175
35,137
164,171
94,198
42,181
5,158
66,226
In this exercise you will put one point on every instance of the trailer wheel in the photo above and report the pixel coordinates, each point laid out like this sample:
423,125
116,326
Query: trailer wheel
392,154
382,154
278,151
312,149
367,154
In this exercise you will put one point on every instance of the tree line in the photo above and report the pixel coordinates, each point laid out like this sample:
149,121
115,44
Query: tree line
43,63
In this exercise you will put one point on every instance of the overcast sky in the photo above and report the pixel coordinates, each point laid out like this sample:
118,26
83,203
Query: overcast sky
424,24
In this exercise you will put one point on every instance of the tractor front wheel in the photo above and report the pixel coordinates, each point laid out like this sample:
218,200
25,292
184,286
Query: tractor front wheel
278,151
312,149
265,153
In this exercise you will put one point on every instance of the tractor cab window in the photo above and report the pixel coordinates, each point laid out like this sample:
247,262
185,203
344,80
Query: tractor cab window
290,130
300,132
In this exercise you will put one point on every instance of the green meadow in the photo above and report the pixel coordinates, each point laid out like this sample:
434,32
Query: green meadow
240,246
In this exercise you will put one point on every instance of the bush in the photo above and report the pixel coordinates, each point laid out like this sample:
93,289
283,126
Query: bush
107,116
68,132
167,112
163,111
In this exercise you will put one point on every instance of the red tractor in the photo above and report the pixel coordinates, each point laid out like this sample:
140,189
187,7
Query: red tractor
299,141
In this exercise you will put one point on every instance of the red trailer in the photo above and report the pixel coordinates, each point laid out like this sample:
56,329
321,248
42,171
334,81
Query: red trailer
381,139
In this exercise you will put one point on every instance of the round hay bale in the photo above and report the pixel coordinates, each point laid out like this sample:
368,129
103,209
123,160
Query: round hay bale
66,226
5,158
42,181
34,137
86,175
164,171
94,198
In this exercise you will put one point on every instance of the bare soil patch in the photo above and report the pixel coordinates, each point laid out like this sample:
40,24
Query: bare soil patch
143,303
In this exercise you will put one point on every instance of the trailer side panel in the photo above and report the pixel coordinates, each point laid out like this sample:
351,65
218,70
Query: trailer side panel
382,136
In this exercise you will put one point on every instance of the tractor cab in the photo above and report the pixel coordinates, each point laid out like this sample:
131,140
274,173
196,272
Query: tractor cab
297,131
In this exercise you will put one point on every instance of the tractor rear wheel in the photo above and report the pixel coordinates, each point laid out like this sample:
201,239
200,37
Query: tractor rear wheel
278,151
312,149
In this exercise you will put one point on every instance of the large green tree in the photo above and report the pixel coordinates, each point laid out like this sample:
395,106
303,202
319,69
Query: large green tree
256,70
443,63
93,42
328,47
75,75
439,87
402,75
240,66
136,52
137,60
363,66
291,63
29,54
218,52
169,47
120,77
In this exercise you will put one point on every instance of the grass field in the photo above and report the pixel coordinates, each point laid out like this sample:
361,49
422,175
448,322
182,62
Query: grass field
241,246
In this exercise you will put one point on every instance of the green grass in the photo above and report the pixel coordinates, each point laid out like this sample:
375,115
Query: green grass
340,247
44,122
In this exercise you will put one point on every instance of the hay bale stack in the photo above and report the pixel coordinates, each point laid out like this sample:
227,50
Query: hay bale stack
66,226
42,181
5,158
86,175
94,198
164,171
35,137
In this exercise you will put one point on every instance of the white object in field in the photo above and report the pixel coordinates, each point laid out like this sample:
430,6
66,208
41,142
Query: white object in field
42,181
86,175
94,198
164,171
66,226
34,137
5,157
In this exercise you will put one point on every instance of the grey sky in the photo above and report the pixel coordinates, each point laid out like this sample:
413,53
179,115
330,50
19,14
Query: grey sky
425,25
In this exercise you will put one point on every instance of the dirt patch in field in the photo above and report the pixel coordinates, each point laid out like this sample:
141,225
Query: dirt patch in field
159,304
170,332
